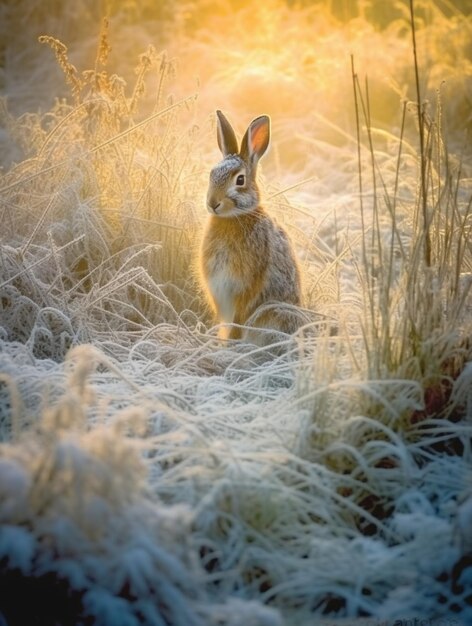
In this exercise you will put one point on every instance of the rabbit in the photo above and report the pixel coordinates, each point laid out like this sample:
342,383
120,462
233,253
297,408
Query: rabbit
247,263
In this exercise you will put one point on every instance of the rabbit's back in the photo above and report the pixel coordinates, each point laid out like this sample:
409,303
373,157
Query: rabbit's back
283,276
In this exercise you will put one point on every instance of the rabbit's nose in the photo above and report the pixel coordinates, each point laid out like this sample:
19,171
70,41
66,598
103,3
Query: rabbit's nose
214,205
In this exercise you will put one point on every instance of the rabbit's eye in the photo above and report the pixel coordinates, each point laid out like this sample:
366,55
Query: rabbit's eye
240,180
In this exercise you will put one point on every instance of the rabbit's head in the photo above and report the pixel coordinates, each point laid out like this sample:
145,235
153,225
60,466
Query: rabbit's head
233,189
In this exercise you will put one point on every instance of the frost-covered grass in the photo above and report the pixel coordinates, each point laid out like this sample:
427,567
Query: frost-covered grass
150,474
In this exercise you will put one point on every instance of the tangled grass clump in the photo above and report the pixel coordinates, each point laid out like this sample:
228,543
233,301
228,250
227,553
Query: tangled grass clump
102,216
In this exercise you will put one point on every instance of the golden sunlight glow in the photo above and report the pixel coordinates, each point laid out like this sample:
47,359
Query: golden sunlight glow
289,59
292,61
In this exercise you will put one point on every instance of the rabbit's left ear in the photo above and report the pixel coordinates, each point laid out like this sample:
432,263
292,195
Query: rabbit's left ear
256,140
227,141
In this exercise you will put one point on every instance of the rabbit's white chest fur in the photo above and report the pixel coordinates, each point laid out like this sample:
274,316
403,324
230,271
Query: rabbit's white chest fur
223,289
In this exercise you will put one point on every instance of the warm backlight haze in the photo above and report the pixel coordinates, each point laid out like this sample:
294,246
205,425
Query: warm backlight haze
288,59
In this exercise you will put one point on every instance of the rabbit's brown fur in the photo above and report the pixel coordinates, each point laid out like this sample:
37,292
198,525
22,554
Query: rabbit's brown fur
246,259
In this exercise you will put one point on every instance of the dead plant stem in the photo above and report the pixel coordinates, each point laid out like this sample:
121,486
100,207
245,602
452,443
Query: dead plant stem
423,157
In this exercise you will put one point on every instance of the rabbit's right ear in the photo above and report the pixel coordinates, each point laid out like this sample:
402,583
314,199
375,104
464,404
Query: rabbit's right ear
227,141
256,140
